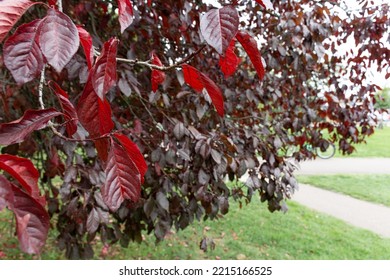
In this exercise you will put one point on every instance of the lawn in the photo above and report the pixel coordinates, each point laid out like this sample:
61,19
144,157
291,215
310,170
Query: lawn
378,145
248,233
374,188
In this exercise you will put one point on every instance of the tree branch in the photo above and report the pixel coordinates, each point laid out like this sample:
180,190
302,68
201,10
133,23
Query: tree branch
156,67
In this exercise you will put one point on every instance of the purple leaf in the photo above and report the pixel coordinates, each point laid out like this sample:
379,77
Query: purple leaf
17,131
104,72
22,54
199,81
123,180
58,38
10,13
219,26
6,193
24,172
93,221
68,109
32,222
250,46
125,14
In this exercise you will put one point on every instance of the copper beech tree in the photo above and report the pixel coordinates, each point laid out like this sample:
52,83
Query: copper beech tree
131,116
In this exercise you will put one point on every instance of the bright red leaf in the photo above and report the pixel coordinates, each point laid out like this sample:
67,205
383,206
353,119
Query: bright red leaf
123,179
86,43
103,74
250,46
25,173
94,113
230,61
22,54
10,13
58,38
32,221
199,82
266,4
52,3
68,109
219,26
17,131
158,77
134,153
126,14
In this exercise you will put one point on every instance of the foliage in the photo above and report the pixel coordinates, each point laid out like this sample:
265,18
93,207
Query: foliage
383,99
150,105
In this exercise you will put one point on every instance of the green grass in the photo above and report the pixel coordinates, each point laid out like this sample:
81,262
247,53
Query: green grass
248,233
374,188
378,145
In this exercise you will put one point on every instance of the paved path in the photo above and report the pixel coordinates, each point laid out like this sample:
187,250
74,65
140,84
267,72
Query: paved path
345,166
359,213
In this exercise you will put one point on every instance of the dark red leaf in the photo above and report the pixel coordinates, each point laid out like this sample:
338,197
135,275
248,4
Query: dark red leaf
123,180
230,61
68,109
134,153
17,131
219,26
199,82
58,38
25,173
32,222
6,193
125,14
266,4
22,54
103,74
102,146
10,13
158,77
94,113
86,43
250,46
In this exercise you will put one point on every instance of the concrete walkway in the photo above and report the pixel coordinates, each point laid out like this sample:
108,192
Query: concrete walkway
345,166
359,213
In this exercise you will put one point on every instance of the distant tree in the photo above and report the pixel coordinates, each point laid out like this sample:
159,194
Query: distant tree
122,117
383,99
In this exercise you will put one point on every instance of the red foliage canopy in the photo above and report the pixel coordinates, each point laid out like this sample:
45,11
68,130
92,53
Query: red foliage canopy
156,103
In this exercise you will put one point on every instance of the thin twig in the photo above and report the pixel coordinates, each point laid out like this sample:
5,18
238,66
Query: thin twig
40,88
156,67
